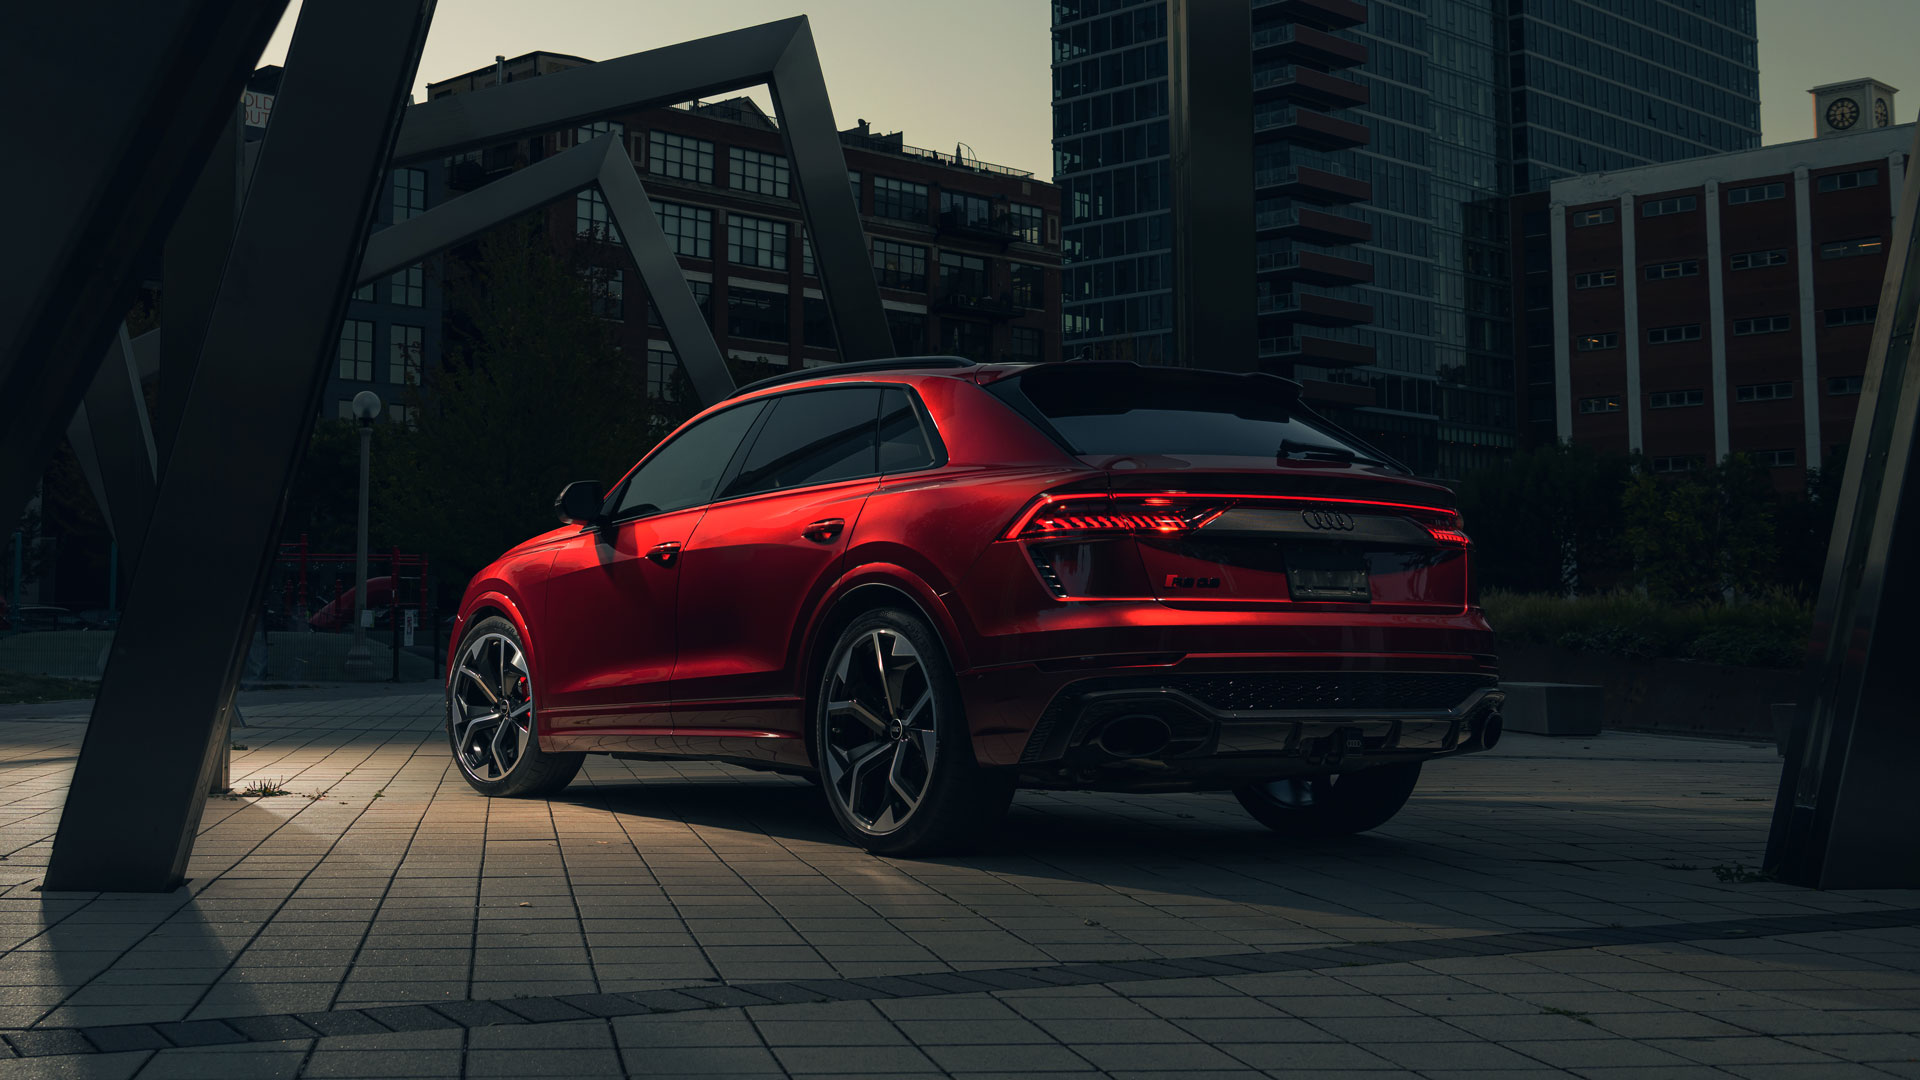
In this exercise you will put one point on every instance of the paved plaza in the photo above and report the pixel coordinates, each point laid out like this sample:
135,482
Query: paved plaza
1584,907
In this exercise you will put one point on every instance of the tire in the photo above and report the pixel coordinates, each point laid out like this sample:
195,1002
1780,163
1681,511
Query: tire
1315,807
911,725
499,757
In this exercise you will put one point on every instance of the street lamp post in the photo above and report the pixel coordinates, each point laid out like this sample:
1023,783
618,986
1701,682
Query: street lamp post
367,408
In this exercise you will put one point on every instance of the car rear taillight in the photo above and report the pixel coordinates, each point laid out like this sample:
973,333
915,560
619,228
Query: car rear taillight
1448,531
1074,515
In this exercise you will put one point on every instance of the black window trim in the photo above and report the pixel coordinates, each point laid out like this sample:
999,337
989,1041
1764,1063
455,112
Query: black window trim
733,463
936,444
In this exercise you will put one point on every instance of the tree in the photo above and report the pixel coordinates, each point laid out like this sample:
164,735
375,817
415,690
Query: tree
1547,520
534,393
1700,536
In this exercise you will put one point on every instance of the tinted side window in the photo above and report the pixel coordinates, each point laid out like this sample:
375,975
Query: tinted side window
683,472
903,439
812,437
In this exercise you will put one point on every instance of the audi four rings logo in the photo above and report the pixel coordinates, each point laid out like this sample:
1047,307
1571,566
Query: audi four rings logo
1327,519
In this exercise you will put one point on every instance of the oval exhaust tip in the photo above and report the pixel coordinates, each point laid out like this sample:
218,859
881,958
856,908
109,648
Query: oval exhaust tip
1490,731
1134,736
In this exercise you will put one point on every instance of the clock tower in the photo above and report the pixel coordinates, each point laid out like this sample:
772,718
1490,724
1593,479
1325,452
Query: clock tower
1844,108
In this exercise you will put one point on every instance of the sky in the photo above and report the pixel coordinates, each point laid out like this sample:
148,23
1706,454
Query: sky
978,72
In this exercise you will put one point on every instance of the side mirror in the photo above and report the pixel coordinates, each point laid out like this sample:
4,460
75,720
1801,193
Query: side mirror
580,502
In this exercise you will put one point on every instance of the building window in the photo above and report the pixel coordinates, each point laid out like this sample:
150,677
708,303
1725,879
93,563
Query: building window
1850,249
1679,463
1842,385
364,292
900,266
962,275
1682,268
1028,222
909,330
1754,260
1766,324
1598,279
409,193
1845,180
1591,405
679,157
408,287
1597,342
404,354
1675,399
607,292
407,416
901,200
959,337
356,350
592,220
816,323
1776,459
762,174
1777,391
1852,316
702,295
853,181
1027,280
689,229
756,313
1679,204
1756,193
346,409
1602,216
961,209
806,253
1024,344
1669,335
586,133
663,370
753,241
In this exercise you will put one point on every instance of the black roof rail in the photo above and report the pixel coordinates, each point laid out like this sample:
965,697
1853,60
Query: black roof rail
898,363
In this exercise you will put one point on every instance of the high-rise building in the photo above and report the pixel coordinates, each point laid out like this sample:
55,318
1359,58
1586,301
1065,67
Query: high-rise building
1389,136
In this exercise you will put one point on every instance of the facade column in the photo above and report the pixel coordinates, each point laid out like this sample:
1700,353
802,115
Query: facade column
1717,312
1562,327
1809,353
1630,330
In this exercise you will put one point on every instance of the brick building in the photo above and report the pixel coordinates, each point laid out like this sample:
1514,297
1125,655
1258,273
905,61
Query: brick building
967,253
1711,306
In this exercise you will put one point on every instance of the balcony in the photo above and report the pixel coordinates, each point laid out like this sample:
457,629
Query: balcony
1305,45
1323,186
1314,310
1315,268
997,229
1325,14
1312,226
1307,349
1310,128
972,302
1305,86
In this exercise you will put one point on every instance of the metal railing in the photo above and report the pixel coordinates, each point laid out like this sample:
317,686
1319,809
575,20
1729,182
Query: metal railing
725,110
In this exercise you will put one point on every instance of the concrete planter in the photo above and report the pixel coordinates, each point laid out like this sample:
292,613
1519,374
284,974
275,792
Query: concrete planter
1677,697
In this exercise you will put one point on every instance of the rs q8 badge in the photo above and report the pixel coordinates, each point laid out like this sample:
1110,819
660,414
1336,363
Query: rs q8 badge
1176,581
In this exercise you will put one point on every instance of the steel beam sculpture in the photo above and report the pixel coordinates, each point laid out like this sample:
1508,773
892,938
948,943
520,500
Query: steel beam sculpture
1846,816
153,92
1210,157
283,280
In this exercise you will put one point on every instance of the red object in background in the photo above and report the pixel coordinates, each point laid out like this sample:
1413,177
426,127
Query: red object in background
1195,546
339,614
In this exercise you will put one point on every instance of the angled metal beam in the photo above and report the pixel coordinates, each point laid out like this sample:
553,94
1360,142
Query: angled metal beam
1845,816
196,592
602,162
780,55
196,249
113,441
1210,143
160,77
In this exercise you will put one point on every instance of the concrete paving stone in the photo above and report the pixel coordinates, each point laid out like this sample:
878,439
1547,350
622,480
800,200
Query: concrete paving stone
383,1063
1011,1058
547,1062
33,1044
1451,1055
252,1063
852,1060
88,1067
700,1061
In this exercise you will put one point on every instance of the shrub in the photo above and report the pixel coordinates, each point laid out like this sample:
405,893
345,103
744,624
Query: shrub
1767,632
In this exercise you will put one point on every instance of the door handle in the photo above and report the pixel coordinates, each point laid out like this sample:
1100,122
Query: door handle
824,530
665,554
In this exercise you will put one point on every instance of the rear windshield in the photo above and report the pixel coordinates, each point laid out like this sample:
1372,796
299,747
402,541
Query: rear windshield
1100,409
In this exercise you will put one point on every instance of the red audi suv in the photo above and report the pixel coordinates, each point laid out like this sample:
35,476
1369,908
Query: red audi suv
927,582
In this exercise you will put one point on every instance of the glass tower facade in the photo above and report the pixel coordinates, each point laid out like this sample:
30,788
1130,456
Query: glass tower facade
1388,137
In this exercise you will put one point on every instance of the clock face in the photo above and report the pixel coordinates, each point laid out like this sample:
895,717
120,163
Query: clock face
1880,116
1843,113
